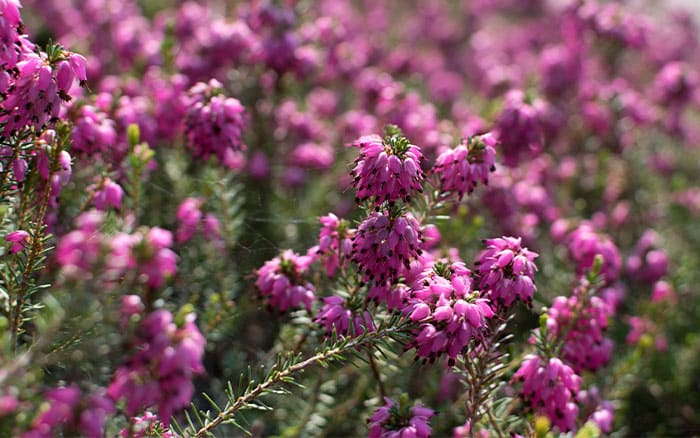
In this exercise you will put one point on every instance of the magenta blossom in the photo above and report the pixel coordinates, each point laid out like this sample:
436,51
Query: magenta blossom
384,244
281,281
398,421
19,240
550,388
449,313
460,169
506,271
338,314
387,169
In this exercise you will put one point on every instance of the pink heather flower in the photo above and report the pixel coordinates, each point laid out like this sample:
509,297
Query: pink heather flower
311,155
131,305
647,262
109,195
550,389
93,417
449,313
147,425
189,214
395,296
214,123
398,421
19,240
387,169
10,22
19,168
431,236
78,251
281,281
61,409
462,168
603,417
506,271
334,242
159,373
160,261
36,95
65,411
211,228
259,166
519,129
663,291
582,326
675,84
337,314
8,404
384,244
638,327
560,69
585,243
93,132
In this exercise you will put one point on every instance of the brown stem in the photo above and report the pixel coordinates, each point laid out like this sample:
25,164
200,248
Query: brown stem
34,252
377,375
280,376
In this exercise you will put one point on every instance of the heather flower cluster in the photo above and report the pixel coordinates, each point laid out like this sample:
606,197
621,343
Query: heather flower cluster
384,244
581,322
337,316
399,420
41,83
506,271
159,373
550,388
449,312
460,169
281,281
387,169
214,123
585,243
87,251
334,243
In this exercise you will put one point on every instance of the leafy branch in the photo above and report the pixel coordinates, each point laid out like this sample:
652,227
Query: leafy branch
283,371
482,369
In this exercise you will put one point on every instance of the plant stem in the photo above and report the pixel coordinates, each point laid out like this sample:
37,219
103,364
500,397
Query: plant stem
280,376
34,252
377,375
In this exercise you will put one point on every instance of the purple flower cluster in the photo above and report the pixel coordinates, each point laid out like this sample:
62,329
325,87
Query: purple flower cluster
337,316
93,132
281,281
334,243
400,421
647,262
35,95
147,253
585,243
460,169
147,425
159,374
506,271
66,409
384,244
387,169
581,324
450,314
519,128
214,123
549,388
191,219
